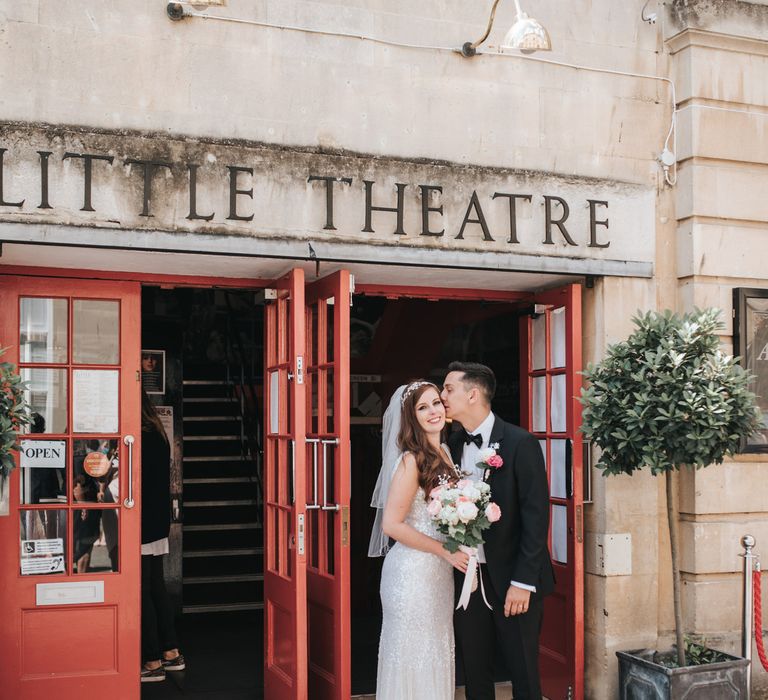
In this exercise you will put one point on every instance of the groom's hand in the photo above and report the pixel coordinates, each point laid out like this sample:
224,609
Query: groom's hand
516,602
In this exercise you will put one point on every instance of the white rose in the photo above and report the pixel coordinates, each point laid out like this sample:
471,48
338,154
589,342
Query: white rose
449,515
483,487
471,492
466,511
485,453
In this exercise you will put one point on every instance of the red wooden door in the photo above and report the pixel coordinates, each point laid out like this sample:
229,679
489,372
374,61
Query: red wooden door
70,545
285,585
550,384
328,486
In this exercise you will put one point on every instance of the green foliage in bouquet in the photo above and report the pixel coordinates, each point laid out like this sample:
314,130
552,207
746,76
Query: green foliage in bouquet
469,535
664,398
14,413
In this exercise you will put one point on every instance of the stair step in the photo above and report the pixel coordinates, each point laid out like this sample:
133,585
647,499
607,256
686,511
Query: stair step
211,437
209,399
210,527
219,480
212,418
217,504
207,382
222,578
222,607
217,458
239,552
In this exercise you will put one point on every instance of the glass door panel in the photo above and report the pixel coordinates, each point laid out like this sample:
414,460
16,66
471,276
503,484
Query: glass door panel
551,360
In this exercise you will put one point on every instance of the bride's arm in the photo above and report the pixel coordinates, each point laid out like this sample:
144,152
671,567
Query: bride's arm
402,491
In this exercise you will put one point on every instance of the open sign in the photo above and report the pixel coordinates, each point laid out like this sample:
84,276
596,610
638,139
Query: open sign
43,454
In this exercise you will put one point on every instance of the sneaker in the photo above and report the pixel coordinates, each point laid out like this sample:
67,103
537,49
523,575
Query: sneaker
177,663
152,675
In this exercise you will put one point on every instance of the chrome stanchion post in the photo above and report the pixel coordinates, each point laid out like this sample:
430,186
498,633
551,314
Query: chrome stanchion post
748,542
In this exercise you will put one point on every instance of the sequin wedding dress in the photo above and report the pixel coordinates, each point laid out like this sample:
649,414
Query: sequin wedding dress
416,652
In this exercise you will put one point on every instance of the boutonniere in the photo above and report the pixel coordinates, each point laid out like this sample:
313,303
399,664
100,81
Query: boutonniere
488,459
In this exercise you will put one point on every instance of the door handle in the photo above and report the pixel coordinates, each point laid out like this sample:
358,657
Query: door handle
128,440
326,505
315,505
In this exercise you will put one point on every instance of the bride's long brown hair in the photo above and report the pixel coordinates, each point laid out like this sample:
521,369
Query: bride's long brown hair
431,462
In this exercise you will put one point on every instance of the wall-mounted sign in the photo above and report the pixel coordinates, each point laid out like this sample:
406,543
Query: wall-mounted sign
43,454
154,185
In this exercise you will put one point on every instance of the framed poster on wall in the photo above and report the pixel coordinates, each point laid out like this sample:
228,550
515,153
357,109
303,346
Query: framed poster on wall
750,342
153,371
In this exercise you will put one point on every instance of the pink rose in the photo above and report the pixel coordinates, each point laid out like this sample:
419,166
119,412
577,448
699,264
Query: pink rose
495,461
436,492
434,507
492,512
463,483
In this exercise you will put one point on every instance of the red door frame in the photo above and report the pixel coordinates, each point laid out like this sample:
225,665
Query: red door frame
285,561
328,470
561,646
560,671
87,649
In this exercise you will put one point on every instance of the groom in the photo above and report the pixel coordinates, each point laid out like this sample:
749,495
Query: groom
515,563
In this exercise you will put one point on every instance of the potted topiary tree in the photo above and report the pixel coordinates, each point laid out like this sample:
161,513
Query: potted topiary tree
14,414
665,398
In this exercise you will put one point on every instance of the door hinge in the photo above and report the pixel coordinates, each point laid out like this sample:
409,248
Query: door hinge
579,524
345,526
299,369
301,534
138,376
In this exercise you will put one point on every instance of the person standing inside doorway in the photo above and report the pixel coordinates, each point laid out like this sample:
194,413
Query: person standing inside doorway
158,631
514,562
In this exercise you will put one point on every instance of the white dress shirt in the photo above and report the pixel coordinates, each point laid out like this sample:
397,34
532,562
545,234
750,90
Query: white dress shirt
469,460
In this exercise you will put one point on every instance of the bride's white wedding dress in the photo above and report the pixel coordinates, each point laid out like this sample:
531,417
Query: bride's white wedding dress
416,651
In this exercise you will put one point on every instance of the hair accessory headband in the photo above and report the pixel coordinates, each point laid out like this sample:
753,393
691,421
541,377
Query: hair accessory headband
412,387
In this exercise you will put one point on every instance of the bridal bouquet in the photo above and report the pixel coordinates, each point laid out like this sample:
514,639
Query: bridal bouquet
462,512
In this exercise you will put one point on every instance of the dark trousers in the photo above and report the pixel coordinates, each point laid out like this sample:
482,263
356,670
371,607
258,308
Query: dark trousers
158,632
480,631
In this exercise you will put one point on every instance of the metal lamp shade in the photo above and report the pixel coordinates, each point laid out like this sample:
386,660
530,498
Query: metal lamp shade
527,35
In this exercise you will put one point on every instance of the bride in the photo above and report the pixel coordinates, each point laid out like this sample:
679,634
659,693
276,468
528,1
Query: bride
416,651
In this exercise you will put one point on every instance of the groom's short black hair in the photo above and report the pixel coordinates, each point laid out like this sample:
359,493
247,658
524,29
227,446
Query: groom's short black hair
477,375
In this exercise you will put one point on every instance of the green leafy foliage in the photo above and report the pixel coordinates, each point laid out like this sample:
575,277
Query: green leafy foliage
668,397
14,413
697,653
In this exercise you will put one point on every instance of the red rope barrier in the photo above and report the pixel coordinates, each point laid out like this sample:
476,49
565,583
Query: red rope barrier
758,595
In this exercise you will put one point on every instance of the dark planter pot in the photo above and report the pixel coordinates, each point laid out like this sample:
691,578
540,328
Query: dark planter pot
640,678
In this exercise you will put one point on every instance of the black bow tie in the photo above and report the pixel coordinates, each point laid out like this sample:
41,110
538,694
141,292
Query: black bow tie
477,439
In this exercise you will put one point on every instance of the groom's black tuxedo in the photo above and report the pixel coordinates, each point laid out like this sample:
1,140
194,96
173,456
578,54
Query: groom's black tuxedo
516,549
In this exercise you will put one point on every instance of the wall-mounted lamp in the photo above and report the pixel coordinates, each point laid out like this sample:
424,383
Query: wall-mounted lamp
526,34
651,17
175,10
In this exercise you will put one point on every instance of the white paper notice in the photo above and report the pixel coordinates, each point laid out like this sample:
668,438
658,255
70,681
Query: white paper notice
42,565
31,547
95,399
165,414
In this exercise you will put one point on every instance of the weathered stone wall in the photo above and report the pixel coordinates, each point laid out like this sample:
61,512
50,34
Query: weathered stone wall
720,62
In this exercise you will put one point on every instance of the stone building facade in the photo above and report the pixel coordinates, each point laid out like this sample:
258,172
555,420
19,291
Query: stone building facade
375,92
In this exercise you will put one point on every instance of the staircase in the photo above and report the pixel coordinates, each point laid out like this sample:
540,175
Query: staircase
222,523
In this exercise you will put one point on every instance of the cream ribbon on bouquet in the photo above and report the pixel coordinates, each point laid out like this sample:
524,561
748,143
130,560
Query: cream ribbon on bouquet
470,582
